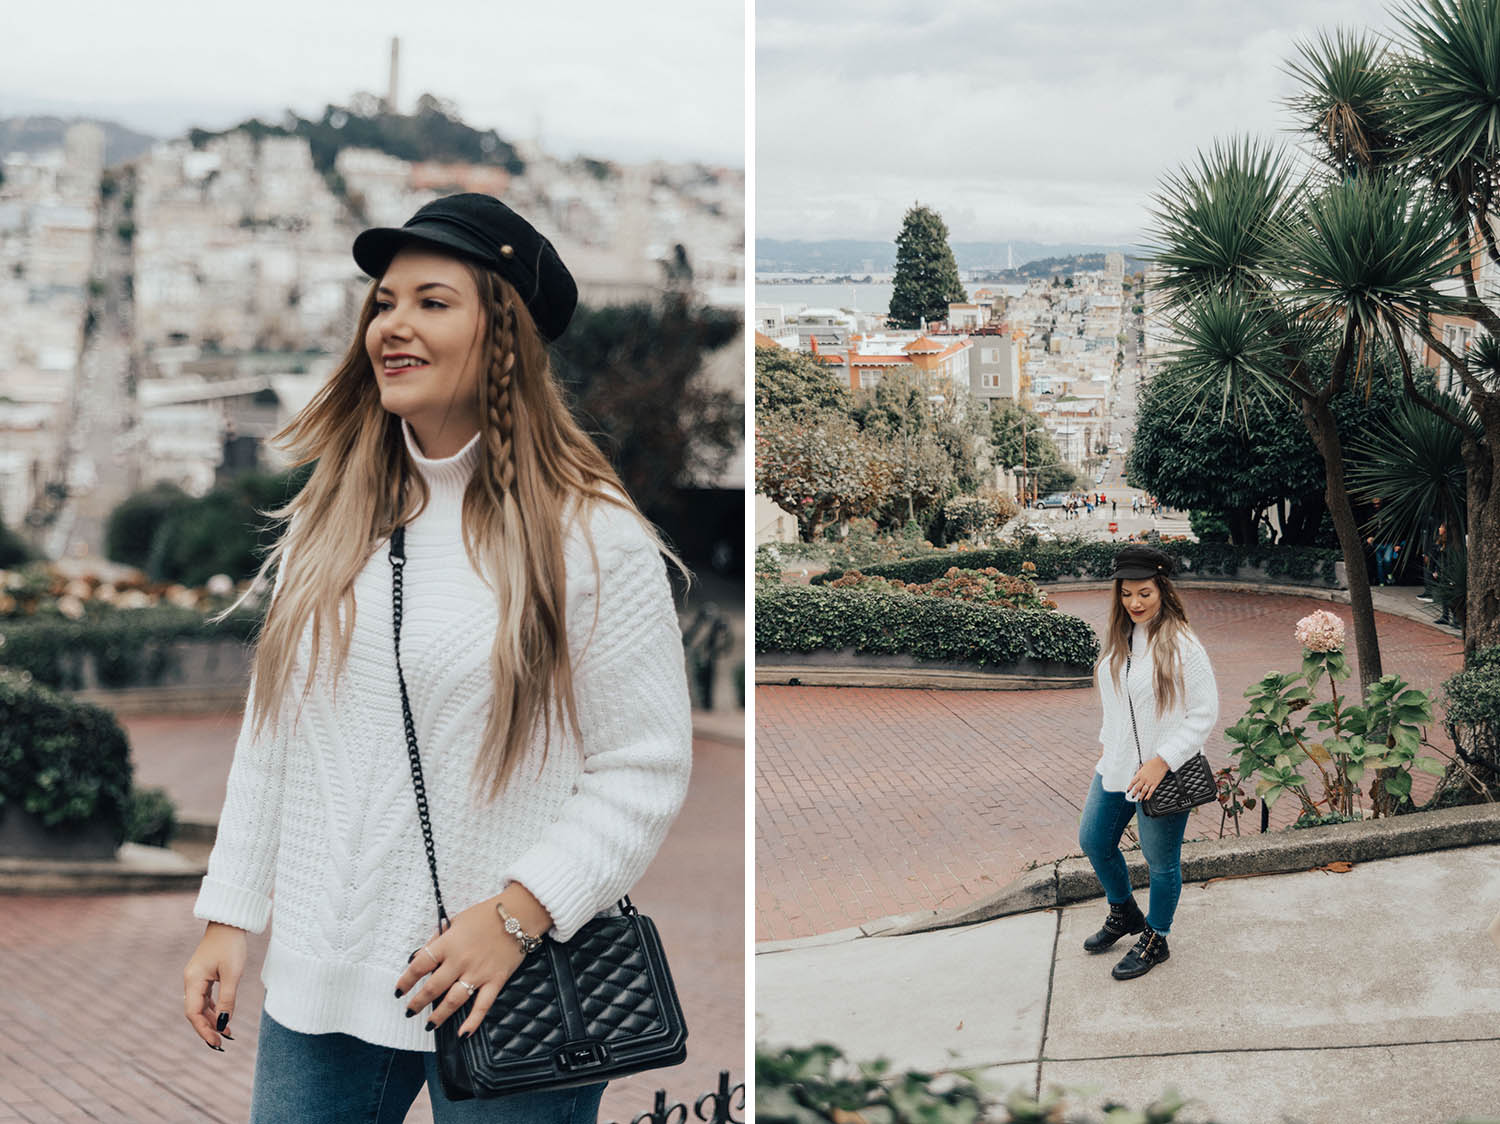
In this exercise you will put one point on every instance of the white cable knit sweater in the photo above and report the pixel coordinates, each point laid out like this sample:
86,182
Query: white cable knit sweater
323,814
1174,737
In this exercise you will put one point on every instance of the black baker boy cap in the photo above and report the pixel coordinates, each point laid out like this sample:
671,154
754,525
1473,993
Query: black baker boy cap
1137,563
484,230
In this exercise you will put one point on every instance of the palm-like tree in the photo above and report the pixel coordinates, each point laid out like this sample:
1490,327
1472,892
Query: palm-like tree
1262,268
1426,109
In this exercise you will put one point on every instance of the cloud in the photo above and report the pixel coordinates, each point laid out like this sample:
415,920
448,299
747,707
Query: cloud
1053,121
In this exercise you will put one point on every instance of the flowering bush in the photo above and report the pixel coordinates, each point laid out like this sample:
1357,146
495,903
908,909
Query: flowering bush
1384,733
40,590
984,587
1321,632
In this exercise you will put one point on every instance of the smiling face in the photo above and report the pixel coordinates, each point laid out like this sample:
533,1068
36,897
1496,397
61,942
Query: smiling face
425,346
1141,599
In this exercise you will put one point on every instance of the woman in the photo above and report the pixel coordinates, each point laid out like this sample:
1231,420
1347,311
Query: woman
1160,703
541,650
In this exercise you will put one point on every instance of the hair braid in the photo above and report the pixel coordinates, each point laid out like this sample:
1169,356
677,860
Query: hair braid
499,434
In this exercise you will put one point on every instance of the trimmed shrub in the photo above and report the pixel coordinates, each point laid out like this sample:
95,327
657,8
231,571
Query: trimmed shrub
63,761
1299,565
805,618
1472,701
130,647
151,819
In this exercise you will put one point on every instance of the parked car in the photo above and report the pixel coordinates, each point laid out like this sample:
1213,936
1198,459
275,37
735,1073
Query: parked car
1056,499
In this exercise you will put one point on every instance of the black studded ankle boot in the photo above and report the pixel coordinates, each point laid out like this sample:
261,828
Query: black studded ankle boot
1124,918
1146,954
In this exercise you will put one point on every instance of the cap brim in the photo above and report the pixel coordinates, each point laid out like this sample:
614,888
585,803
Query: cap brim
1137,573
374,249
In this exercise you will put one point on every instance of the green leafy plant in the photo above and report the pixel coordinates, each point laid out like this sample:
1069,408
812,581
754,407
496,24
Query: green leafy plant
1347,739
1472,700
62,761
819,1085
151,818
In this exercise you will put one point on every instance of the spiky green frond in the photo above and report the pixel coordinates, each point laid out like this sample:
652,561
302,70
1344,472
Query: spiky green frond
1370,250
1412,461
1214,224
1344,102
1228,349
1450,110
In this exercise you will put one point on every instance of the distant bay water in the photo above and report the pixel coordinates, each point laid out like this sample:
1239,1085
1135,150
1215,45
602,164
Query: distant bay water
873,298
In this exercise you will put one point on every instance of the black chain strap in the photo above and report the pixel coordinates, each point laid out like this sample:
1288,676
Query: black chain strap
1134,732
398,561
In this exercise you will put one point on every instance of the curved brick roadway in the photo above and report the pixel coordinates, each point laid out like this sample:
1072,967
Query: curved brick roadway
874,802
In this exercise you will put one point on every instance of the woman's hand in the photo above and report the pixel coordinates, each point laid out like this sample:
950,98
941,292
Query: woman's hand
220,956
1146,778
477,950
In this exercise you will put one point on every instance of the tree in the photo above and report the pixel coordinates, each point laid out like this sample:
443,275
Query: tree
928,443
633,373
1194,458
790,380
820,467
1423,111
1263,271
1019,437
926,274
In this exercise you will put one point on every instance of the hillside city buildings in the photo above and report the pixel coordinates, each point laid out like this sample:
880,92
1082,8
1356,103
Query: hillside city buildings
204,293
1049,346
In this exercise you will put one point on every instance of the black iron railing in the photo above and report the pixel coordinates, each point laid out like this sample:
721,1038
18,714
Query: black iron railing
715,1107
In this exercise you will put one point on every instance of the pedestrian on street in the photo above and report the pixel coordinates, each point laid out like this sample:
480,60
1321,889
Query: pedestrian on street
1114,507
500,571
1160,703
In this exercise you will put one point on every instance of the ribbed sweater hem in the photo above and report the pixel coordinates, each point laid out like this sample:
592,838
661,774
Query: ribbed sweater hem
327,996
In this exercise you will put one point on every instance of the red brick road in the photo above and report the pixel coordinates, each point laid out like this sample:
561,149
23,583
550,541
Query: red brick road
876,802
91,1024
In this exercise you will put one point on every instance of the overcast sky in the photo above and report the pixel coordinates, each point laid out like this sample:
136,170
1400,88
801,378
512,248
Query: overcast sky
595,77
1050,120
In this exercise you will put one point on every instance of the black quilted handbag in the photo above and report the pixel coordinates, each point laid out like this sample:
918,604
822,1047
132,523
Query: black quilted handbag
1180,789
599,1006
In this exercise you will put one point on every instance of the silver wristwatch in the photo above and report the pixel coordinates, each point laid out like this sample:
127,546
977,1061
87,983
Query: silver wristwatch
528,943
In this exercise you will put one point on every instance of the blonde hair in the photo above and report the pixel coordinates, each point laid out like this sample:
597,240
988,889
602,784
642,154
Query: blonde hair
536,467
1162,633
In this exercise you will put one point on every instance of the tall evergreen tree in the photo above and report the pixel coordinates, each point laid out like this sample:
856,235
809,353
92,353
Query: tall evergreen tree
926,274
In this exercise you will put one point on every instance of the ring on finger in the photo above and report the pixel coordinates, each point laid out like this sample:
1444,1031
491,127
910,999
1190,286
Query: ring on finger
470,987
427,950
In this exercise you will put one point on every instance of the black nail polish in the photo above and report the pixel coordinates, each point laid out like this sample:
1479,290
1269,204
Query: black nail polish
223,1021
399,993
410,1012
413,955
428,1026
211,1046
465,1033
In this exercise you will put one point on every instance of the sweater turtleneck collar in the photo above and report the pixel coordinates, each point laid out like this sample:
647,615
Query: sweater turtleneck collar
446,477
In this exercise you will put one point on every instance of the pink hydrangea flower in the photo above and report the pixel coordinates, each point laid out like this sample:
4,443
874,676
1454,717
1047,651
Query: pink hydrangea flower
1321,632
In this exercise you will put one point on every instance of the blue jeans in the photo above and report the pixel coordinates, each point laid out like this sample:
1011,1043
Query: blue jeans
339,1079
1105,816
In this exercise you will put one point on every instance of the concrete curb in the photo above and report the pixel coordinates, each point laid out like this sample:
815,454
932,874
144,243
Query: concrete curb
133,869
1069,880
816,675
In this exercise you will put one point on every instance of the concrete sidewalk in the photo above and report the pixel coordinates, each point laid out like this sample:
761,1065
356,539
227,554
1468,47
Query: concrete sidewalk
1319,997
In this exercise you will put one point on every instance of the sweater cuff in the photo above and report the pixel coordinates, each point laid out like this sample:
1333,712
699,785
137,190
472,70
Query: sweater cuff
234,905
552,878
1176,756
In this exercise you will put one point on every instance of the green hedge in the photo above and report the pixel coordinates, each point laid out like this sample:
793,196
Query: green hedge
131,647
63,761
1295,564
803,618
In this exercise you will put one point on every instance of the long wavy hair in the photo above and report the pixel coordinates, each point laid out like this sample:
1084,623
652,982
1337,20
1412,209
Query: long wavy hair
536,468
1162,633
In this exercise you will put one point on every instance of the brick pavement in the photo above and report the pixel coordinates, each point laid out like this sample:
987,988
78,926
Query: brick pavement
875,802
90,1018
